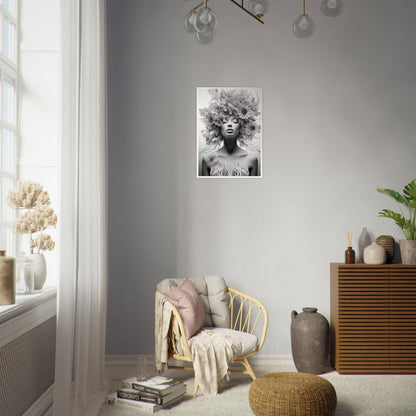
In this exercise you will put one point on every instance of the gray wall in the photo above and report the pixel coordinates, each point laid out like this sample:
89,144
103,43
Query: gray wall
338,121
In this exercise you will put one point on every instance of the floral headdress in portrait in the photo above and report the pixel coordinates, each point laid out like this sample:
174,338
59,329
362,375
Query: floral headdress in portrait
239,103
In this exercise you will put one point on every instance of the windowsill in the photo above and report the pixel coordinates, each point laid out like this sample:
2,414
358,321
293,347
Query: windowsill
26,302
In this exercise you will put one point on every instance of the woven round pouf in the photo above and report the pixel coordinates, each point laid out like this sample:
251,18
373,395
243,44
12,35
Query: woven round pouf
292,394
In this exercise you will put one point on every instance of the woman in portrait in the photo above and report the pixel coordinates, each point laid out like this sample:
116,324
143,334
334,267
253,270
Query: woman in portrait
230,129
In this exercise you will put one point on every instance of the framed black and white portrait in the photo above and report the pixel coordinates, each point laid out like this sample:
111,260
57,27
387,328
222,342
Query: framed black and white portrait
229,132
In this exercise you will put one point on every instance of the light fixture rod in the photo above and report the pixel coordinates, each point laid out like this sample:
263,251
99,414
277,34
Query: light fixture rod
303,8
199,5
241,6
247,11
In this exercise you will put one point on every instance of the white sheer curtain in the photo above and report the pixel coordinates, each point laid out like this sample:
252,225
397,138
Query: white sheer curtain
82,292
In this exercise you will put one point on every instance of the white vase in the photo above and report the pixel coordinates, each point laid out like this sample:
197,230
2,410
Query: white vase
374,254
39,269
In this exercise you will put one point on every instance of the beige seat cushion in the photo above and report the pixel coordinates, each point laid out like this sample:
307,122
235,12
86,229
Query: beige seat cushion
243,343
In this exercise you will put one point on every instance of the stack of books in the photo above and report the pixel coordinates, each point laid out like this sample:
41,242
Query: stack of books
150,395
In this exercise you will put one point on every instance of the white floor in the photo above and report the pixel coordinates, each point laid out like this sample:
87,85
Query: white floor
121,372
111,374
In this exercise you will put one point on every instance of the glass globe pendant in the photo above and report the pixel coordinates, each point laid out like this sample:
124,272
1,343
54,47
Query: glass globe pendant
205,20
303,26
258,7
205,15
189,22
332,8
204,38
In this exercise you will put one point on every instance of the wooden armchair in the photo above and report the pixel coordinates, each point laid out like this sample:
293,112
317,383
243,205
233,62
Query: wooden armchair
246,313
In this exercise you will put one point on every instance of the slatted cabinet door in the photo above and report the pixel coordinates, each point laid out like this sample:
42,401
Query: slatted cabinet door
403,321
373,318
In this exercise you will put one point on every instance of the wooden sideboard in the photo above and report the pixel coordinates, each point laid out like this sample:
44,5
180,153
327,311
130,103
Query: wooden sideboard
373,318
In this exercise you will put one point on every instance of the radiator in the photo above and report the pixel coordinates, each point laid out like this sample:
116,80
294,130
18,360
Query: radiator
27,367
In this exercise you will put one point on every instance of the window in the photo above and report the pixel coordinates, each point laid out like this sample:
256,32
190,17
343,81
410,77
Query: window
8,117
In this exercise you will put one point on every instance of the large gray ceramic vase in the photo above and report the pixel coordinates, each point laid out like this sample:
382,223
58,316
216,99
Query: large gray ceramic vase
309,333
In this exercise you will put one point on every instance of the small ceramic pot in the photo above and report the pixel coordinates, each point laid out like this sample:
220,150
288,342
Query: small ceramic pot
374,254
387,241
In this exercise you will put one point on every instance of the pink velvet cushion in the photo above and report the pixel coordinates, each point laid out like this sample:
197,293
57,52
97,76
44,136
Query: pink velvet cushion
189,304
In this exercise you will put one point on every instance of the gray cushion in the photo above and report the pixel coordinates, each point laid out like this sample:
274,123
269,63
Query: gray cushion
218,301
243,343
213,292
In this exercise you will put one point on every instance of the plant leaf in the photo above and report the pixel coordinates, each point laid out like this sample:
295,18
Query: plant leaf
398,219
409,192
394,194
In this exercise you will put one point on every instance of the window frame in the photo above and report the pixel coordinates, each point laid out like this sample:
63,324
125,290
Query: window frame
9,74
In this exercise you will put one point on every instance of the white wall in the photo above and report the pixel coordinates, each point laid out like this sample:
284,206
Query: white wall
338,121
39,108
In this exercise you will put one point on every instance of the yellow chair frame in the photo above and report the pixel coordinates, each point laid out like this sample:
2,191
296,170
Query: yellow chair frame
245,312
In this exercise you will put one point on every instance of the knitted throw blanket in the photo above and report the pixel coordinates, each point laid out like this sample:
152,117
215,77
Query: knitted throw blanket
211,355
211,352
163,313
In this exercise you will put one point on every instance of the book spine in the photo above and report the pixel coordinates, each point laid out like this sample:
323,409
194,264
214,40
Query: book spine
172,397
146,389
134,404
159,392
139,397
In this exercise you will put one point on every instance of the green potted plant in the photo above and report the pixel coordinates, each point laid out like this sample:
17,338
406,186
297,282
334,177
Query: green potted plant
404,220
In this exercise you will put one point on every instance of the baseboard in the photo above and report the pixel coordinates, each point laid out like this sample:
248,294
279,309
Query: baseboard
125,360
263,361
272,361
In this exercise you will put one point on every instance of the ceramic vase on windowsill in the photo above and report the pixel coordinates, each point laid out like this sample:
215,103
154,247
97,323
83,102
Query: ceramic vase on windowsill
7,279
39,269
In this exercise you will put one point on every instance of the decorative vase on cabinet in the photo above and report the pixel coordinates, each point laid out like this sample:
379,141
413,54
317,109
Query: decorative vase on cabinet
309,333
408,251
374,254
387,241
364,241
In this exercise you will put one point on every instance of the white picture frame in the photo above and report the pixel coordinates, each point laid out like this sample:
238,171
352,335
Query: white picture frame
229,133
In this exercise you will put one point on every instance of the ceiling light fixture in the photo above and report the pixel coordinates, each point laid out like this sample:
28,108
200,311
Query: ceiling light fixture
303,26
332,8
202,21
